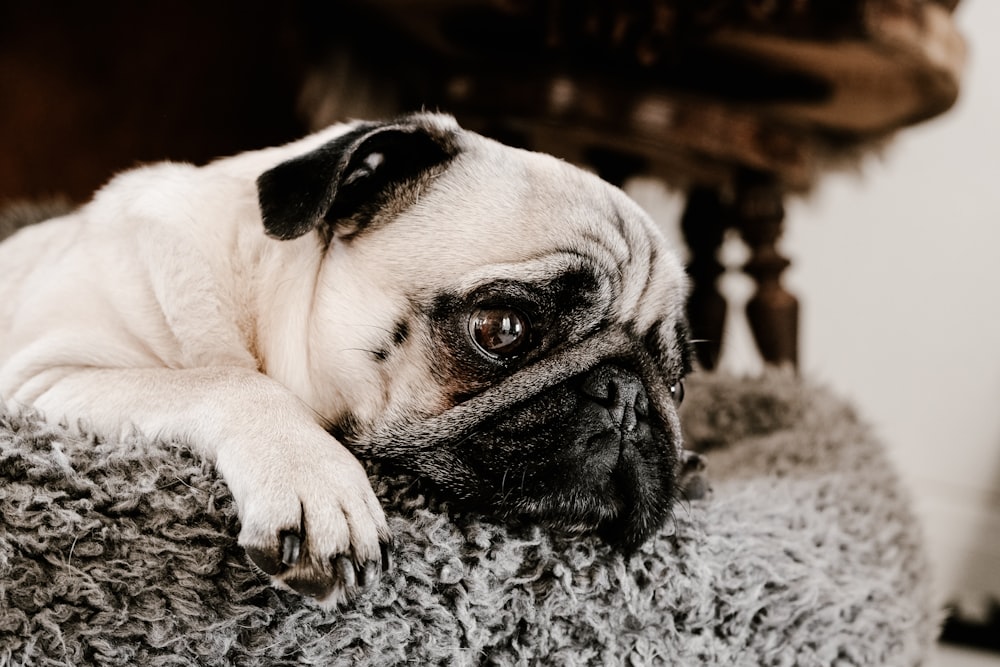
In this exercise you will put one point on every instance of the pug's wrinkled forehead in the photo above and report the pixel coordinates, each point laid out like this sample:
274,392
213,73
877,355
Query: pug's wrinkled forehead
568,237
474,205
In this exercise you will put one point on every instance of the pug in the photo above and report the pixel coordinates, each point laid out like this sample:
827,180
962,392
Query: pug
499,322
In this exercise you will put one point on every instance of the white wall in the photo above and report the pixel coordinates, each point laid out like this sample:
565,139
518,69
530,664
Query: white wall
898,272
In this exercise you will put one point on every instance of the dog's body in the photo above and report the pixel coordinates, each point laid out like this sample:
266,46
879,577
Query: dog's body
496,320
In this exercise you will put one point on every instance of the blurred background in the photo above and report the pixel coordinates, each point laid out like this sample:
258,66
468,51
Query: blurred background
897,265
892,229
898,269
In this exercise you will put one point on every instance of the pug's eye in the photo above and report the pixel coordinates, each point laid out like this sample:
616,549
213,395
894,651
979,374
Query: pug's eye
499,332
677,392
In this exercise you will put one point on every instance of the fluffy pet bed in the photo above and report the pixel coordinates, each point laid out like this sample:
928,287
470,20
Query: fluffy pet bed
805,553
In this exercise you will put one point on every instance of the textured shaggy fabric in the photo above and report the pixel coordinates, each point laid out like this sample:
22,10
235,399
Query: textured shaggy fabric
805,553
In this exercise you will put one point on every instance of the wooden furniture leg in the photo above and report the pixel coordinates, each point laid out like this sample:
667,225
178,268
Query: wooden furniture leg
773,312
758,213
703,223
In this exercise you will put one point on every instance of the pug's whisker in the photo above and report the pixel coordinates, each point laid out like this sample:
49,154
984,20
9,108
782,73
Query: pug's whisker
364,325
324,422
505,498
509,494
376,353
466,438
683,502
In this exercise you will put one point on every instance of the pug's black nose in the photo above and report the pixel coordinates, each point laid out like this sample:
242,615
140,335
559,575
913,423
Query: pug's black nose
621,393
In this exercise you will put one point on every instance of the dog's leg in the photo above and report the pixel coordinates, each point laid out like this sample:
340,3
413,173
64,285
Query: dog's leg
309,516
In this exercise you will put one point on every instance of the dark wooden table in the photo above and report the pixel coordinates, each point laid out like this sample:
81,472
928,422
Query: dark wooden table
738,102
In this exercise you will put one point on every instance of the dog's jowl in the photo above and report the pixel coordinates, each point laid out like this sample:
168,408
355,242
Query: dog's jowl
497,321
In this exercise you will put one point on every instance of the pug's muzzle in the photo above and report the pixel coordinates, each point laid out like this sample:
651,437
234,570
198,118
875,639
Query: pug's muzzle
587,440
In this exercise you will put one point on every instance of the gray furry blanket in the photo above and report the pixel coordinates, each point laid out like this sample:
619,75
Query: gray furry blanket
805,553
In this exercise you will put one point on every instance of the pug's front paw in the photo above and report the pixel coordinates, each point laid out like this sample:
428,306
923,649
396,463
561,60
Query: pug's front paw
315,526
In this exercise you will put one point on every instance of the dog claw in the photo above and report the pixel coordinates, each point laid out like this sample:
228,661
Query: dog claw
368,574
346,575
291,547
270,561
344,569
386,556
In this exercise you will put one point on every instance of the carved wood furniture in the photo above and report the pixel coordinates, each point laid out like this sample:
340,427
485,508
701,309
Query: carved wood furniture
738,102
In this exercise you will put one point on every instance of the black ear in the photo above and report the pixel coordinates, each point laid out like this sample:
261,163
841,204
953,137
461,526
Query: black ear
350,178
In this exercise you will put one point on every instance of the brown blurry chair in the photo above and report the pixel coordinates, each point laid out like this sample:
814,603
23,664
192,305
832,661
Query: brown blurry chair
737,102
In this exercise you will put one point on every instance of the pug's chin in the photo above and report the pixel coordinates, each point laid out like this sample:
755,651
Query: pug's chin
570,518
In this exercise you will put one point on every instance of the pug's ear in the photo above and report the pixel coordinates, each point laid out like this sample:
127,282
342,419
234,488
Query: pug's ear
339,186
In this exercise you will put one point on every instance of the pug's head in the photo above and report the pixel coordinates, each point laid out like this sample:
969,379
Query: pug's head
497,321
